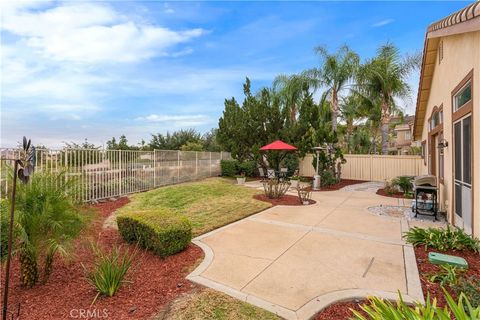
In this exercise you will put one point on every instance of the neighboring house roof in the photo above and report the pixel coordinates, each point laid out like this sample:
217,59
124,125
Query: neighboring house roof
462,21
402,127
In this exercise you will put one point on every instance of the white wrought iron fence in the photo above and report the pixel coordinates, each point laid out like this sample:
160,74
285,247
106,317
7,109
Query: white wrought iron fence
111,173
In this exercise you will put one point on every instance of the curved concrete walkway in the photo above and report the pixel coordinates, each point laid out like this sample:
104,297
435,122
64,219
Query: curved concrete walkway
295,261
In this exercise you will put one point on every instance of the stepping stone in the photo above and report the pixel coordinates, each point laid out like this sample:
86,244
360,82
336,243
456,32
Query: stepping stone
443,259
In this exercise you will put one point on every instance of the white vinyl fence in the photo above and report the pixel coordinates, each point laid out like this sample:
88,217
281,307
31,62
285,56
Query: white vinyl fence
112,173
371,167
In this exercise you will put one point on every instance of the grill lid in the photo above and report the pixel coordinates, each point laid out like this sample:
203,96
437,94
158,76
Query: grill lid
426,180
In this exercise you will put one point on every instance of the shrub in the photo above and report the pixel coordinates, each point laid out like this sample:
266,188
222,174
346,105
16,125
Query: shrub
291,162
163,232
471,288
327,178
275,188
448,275
109,270
390,189
249,168
229,168
380,309
442,239
47,221
405,183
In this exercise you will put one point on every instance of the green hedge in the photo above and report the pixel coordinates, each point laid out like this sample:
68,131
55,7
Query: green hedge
229,167
163,232
249,168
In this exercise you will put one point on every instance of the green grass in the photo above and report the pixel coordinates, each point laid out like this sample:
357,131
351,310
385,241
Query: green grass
209,304
208,204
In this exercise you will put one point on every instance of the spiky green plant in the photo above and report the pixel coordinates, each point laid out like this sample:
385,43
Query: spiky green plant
380,309
442,239
448,275
46,222
109,270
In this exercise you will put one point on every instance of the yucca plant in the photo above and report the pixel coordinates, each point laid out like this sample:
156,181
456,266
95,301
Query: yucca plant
46,222
380,309
442,239
109,270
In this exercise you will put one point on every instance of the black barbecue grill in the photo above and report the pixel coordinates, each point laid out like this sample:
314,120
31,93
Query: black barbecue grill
425,188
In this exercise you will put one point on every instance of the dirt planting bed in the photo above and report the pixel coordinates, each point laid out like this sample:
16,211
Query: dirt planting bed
153,282
340,311
286,200
340,185
426,269
397,194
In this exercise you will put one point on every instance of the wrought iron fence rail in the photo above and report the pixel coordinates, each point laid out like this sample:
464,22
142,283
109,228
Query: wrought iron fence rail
111,173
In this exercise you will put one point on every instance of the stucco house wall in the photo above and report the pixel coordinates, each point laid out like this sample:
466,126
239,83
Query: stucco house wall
461,55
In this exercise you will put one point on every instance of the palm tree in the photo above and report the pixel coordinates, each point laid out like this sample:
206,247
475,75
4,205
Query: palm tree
46,223
335,72
384,78
291,89
350,110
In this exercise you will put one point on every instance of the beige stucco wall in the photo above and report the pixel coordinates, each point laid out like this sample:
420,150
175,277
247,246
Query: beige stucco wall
461,55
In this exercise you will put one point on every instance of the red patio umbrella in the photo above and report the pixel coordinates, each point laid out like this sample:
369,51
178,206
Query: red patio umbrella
278,145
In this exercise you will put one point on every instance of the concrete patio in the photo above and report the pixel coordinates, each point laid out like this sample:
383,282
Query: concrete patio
294,261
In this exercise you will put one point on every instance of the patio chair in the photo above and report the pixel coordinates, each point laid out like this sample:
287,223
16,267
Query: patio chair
261,172
270,173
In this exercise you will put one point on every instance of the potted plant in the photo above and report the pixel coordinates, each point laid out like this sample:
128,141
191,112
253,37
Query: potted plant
294,181
240,178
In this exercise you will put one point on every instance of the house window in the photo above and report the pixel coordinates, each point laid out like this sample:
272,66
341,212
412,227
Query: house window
437,118
463,96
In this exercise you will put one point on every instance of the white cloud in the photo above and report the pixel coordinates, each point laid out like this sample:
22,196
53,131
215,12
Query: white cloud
177,120
382,23
92,33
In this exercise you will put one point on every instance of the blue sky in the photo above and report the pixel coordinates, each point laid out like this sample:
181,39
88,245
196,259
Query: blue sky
76,70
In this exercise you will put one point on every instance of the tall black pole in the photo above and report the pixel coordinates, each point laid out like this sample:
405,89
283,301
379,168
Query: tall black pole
10,240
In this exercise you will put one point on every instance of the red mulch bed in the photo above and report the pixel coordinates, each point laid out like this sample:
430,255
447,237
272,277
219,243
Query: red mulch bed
339,185
426,269
286,200
155,281
339,311
397,194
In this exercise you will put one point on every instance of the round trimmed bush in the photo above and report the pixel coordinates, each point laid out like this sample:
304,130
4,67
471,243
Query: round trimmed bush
161,231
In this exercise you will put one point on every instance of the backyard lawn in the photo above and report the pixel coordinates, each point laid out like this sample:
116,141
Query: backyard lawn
208,204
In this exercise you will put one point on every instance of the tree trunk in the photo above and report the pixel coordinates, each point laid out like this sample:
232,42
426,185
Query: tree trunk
28,268
349,134
385,120
334,107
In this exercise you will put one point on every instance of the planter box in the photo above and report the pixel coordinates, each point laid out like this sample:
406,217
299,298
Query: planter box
293,183
240,181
